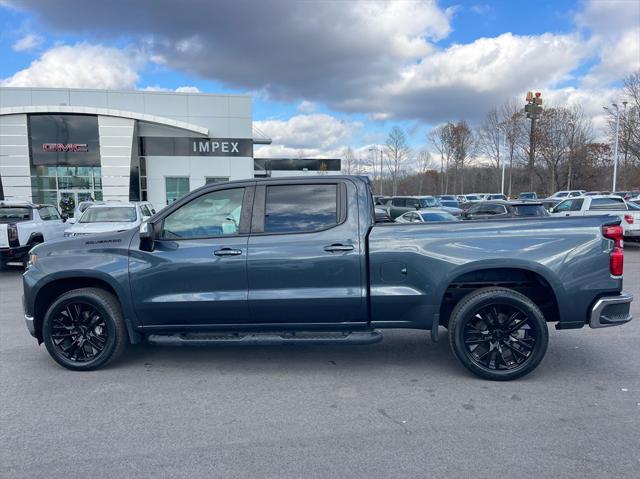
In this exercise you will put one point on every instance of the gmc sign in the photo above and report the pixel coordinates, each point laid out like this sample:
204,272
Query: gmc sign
62,147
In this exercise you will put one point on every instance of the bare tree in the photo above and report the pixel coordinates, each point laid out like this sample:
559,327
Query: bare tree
513,123
397,150
425,164
490,144
440,139
348,161
463,143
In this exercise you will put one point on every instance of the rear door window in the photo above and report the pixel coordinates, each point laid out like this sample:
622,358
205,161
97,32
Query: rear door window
603,204
300,208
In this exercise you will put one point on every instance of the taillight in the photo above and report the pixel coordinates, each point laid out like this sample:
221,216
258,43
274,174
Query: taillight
12,233
628,219
616,258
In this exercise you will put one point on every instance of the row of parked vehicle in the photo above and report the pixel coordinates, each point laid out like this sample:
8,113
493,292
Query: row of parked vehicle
24,225
422,209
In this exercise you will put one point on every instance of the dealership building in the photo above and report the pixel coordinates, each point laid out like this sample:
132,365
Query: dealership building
129,145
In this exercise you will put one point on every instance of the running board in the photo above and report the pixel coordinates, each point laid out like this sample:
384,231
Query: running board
265,339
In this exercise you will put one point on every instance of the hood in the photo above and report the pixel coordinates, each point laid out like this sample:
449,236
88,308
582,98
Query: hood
94,228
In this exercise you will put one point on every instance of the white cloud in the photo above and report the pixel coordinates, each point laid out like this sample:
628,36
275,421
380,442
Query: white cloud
615,35
28,42
188,89
317,135
306,107
79,66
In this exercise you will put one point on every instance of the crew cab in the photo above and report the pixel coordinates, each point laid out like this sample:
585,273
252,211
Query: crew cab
629,214
301,260
24,225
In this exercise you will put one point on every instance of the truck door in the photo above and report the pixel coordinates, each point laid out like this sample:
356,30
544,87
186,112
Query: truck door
196,274
305,262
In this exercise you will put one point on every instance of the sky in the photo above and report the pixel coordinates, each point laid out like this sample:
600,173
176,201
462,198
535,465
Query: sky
331,74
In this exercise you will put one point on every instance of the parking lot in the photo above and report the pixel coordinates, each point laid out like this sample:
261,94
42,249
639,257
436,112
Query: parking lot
400,408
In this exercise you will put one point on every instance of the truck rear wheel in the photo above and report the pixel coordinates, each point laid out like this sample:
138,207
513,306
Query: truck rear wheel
84,330
498,333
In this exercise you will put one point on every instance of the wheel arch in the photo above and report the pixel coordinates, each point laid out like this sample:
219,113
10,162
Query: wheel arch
532,280
57,286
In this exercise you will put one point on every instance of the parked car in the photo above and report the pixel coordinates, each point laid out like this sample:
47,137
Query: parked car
306,263
495,196
382,216
398,205
81,207
603,205
528,195
451,207
503,209
109,217
447,197
425,216
24,225
627,195
567,194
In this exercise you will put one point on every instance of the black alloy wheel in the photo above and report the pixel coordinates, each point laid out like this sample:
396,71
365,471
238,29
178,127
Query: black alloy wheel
79,332
84,330
499,337
498,333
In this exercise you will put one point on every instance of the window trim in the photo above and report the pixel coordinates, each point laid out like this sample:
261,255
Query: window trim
259,207
245,214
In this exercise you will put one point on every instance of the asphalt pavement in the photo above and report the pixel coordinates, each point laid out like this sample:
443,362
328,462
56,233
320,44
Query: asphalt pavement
399,408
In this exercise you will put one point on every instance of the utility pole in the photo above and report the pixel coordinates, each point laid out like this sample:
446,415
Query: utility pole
503,160
533,110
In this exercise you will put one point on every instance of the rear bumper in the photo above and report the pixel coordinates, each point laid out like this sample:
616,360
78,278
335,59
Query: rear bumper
611,311
14,253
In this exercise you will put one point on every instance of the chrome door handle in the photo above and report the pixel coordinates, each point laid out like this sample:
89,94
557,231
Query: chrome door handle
338,247
227,252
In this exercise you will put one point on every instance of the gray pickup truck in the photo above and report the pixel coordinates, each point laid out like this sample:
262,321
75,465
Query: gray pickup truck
286,260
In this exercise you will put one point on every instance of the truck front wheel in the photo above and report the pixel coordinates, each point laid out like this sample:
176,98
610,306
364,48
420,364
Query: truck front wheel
84,330
498,333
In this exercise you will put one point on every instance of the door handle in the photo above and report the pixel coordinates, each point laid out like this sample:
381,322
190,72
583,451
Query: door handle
567,214
338,247
227,252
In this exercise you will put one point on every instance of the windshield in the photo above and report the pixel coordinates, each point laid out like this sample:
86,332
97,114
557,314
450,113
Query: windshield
526,196
473,197
450,204
530,210
561,194
428,202
14,213
109,215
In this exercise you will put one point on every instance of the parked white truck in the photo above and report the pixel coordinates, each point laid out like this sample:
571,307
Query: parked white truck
629,213
24,225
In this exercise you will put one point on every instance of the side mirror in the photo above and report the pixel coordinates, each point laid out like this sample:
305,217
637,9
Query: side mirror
417,206
71,221
148,235
147,230
145,218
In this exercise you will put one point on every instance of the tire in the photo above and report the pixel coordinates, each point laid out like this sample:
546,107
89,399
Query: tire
83,329
487,347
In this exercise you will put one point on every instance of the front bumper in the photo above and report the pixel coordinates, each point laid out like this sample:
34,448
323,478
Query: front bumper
611,311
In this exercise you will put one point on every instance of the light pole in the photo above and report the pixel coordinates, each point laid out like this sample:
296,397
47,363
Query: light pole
615,149
504,143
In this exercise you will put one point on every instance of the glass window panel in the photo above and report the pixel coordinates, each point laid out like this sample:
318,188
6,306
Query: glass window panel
176,187
300,208
213,214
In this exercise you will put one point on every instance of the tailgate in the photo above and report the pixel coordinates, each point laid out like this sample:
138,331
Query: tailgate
4,236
